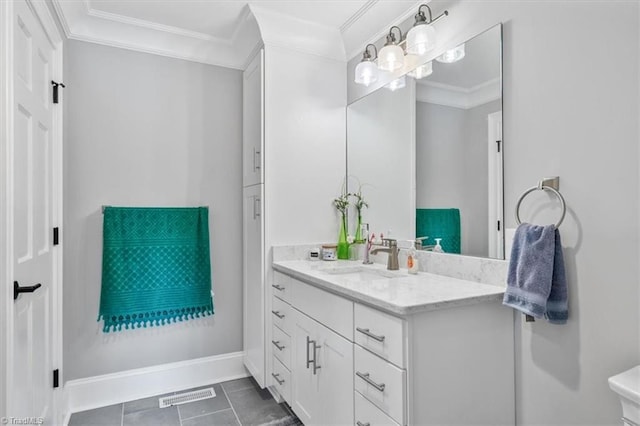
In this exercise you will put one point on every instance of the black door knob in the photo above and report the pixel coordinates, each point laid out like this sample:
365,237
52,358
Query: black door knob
26,289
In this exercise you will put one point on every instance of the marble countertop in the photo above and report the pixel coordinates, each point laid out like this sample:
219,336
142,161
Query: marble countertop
394,291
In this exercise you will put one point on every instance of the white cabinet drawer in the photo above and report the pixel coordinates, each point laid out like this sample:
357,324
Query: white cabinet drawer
368,414
381,382
281,379
281,286
281,346
281,315
332,311
380,333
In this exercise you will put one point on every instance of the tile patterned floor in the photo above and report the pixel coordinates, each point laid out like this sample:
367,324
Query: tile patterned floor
238,402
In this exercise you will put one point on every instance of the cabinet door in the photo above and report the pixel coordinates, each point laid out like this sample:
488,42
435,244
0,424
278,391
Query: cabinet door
335,377
305,399
254,351
322,395
253,122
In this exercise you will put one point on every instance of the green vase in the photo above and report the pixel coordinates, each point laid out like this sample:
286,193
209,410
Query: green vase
358,238
343,245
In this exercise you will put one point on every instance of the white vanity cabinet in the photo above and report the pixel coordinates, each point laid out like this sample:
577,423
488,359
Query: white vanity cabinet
353,363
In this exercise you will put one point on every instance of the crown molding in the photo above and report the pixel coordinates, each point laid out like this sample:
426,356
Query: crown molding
299,35
357,15
458,97
82,22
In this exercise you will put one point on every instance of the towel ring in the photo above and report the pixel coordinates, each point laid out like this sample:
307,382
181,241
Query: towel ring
545,188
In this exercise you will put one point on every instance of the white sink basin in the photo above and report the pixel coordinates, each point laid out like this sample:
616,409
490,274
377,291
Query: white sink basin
363,273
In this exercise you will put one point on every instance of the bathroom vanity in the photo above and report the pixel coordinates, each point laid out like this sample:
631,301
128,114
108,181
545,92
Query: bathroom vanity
356,344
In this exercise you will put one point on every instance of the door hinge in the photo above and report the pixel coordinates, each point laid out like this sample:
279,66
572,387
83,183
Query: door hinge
55,85
498,143
56,236
56,378
498,225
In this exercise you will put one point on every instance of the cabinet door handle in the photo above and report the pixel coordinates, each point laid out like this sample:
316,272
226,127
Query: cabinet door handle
277,287
359,423
366,378
275,376
309,341
256,207
256,164
316,367
366,332
278,314
277,344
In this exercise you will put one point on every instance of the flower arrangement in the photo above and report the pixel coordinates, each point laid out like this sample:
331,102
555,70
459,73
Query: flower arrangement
341,204
360,203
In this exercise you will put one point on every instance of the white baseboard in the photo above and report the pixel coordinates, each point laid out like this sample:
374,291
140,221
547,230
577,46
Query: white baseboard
108,389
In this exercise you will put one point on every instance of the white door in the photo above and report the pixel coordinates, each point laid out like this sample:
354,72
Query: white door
32,165
253,284
496,197
252,125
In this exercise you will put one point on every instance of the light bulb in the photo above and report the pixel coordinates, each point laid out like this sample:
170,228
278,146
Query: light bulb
391,58
396,84
421,39
366,73
452,55
422,71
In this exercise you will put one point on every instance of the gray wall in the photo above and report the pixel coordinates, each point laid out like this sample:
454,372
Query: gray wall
451,167
570,109
145,130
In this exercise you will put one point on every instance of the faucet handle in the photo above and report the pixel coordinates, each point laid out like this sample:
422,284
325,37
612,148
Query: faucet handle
418,242
389,242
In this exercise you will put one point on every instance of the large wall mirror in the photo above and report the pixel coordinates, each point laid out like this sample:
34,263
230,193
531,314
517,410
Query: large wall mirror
427,152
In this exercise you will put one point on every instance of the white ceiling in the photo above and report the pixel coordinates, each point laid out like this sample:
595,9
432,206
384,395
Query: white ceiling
220,32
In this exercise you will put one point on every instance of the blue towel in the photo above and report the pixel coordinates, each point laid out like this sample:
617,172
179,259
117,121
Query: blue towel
537,284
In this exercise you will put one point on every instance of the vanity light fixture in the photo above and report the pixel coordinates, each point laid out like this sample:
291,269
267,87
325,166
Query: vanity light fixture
421,38
452,55
391,56
398,83
422,71
367,70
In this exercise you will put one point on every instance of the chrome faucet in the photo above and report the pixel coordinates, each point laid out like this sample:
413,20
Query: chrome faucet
389,246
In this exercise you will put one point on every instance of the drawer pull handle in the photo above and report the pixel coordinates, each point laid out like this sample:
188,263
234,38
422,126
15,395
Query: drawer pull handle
309,359
278,314
366,332
275,376
359,423
277,287
365,377
277,345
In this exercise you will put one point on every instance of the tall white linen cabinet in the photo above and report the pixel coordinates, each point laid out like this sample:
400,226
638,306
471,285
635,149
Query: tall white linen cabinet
294,126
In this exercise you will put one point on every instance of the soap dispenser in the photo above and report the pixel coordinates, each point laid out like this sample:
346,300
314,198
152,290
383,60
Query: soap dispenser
438,248
412,261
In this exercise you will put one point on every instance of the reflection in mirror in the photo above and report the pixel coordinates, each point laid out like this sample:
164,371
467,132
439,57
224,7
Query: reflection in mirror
429,155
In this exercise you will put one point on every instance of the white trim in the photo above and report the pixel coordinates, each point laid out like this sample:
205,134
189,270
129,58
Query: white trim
81,22
357,15
5,264
154,26
459,97
115,388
